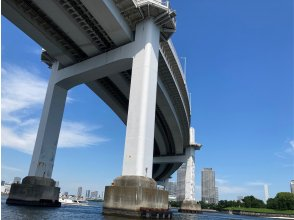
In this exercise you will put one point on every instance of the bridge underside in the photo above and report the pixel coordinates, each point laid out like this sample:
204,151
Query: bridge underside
101,26
114,91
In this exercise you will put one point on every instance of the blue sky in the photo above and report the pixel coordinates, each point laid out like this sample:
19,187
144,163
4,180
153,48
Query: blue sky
239,71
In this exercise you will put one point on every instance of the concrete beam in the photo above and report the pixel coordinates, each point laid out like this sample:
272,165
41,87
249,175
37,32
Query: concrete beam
112,103
111,20
114,61
170,159
60,18
22,21
166,106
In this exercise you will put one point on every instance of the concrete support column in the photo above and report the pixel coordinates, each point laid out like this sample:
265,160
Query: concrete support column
38,189
46,143
189,204
138,154
136,191
190,174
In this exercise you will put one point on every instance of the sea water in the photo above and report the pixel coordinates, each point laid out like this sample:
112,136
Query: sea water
93,211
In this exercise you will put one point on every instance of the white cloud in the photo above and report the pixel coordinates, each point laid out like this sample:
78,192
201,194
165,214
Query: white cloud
292,144
257,183
23,95
72,134
21,90
75,134
290,149
287,153
14,169
221,181
232,190
280,155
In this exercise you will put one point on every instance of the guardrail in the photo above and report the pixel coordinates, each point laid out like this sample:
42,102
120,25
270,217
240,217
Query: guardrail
181,81
164,3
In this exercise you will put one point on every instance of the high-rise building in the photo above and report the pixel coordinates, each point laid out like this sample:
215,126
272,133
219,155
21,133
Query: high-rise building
266,193
171,187
94,195
2,183
87,194
181,175
292,186
216,194
17,180
208,194
80,190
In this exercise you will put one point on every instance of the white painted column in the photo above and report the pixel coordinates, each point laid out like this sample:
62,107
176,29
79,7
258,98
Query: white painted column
190,168
138,154
190,175
47,137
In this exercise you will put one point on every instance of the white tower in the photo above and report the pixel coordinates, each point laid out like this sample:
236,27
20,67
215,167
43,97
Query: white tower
266,192
292,186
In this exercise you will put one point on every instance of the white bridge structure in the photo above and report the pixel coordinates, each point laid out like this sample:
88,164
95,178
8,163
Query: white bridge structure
121,49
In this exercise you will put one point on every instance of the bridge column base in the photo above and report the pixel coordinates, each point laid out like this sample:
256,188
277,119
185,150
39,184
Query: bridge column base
34,191
131,195
190,206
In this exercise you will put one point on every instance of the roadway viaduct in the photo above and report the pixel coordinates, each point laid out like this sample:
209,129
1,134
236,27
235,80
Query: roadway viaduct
78,33
121,49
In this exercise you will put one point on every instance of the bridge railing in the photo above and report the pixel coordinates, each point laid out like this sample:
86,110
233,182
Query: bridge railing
161,2
168,50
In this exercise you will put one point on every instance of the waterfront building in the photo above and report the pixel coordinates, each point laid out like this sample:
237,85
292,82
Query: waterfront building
216,195
87,194
208,194
180,188
94,195
80,190
17,180
65,194
266,192
292,186
5,189
171,187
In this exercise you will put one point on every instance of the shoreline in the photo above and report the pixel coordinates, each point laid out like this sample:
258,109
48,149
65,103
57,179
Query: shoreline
260,214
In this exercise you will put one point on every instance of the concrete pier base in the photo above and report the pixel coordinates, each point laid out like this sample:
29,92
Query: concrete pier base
190,206
34,191
129,195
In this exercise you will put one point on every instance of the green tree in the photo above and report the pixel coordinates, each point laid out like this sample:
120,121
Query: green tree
285,201
252,202
271,203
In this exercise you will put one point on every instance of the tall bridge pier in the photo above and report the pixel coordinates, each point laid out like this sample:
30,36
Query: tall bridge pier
136,189
189,203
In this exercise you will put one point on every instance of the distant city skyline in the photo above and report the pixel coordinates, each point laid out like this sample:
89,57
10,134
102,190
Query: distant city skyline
239,70
80,192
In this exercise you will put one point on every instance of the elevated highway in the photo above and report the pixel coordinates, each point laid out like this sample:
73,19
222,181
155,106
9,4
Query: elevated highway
78,34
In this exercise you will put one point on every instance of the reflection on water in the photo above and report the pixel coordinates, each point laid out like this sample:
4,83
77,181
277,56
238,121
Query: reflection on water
93,211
